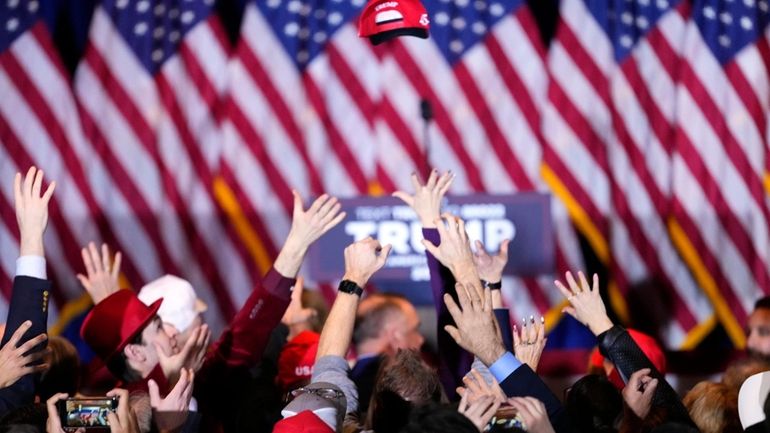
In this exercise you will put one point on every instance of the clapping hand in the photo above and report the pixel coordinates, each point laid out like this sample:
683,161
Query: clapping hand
192,355
170,413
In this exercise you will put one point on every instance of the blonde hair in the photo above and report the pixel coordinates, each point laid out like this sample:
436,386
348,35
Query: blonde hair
713,407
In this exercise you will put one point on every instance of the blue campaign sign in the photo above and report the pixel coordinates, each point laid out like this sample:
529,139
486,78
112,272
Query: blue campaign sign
525,218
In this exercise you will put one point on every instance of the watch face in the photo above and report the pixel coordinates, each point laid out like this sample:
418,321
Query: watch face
350,287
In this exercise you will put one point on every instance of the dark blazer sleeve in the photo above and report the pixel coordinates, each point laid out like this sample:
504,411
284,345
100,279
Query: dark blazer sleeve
503,316
617,345
29,301
454,362
523,382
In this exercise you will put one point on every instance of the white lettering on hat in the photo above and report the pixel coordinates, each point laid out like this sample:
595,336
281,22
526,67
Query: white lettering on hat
382,6
303,370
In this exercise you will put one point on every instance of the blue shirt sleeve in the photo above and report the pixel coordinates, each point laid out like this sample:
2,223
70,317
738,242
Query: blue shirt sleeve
504,367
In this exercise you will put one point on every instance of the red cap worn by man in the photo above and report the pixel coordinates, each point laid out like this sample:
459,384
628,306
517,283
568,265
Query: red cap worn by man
130,337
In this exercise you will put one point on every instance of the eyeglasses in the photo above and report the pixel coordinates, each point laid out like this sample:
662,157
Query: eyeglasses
327,393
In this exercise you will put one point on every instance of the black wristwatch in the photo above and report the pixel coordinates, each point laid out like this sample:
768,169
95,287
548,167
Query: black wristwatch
492,286
347,286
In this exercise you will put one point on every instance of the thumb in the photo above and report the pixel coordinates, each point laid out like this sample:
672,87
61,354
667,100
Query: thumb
406,198
297,202
433,249
454,333
83,281
504,247
155,398
571,311
384,252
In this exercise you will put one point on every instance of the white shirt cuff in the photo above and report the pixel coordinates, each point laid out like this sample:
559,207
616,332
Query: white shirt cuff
31,266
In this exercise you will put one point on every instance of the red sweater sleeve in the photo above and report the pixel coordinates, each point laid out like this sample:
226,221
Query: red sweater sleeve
243,342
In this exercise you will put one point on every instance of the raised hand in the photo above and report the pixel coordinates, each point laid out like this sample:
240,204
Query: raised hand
490,268
309,225
532,412
16,362
639,392
426,200
101,279
586,304
31,210
475,327
480,410
170,413
123,420
192,355
454,252
529,341
477,387
306,227
363,259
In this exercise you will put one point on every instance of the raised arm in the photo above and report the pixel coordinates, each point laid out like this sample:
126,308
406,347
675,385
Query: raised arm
306,227
28,310
615,343
362,260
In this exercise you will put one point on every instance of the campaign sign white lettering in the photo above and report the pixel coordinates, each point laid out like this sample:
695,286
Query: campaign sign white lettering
524,218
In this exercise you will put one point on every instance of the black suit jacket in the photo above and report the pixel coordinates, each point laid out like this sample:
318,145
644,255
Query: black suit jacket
523,382
29,301
364,374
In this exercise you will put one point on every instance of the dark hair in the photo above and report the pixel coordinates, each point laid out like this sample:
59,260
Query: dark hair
63,374
373,313
118,363
763,302
438,418
29,418
594,405
403,381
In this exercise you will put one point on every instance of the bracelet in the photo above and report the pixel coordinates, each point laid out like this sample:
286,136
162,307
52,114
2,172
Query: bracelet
347,286
491,286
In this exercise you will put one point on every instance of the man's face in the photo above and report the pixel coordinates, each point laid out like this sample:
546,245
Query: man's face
155,334
758,342
406,329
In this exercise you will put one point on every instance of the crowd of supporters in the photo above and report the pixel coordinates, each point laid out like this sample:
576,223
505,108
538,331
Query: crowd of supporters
288,363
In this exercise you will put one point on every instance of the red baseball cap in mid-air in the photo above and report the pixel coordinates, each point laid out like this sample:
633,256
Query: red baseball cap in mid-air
383,20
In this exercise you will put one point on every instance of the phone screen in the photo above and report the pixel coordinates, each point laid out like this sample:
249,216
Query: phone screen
506,419
86,412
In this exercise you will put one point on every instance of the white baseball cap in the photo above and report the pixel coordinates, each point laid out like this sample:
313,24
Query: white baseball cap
180,303
751,399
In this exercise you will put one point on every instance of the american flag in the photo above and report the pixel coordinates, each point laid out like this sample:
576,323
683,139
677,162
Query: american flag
609,128
149,88
39,125
645,118
316,108
720,208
